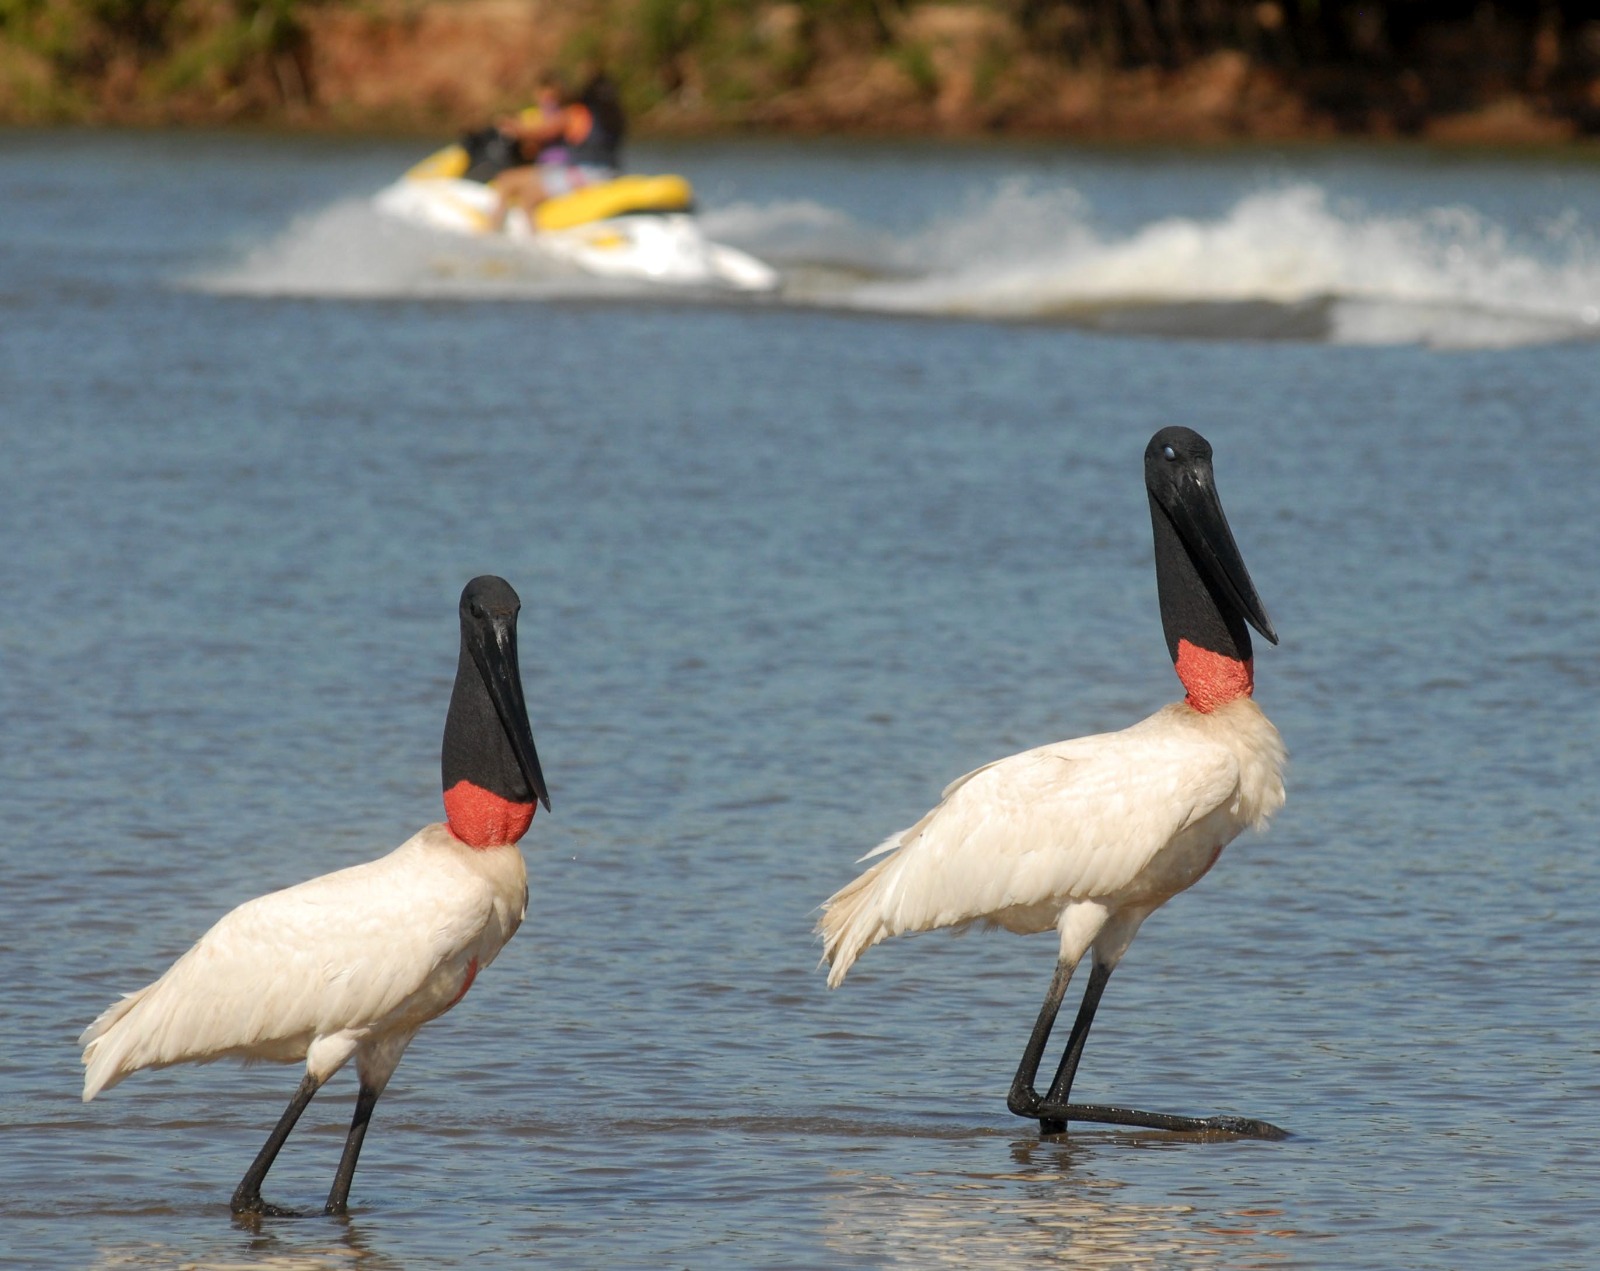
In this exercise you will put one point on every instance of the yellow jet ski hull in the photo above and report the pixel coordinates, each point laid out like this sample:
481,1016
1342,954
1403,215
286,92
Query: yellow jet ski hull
620,196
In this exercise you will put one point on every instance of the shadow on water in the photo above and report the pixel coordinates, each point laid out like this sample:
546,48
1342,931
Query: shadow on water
876,1129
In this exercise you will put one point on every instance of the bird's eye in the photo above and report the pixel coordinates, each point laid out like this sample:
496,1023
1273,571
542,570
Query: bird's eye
1167,452
477,610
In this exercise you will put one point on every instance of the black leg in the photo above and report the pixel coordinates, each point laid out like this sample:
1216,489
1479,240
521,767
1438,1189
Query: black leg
1023,1099
337,1198
1055,1110
1061,1087
247,1196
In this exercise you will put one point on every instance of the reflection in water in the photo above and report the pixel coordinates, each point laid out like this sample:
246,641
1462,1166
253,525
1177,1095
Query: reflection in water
316,1244
1054,1206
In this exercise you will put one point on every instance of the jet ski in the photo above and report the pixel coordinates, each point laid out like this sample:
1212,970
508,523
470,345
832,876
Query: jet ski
631,227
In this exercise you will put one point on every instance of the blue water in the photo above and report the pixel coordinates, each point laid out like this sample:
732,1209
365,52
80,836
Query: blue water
787,568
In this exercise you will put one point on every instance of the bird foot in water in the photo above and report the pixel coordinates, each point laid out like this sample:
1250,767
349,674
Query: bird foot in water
1053,1118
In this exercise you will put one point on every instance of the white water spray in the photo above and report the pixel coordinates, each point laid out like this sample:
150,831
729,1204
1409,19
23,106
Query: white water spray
1447,277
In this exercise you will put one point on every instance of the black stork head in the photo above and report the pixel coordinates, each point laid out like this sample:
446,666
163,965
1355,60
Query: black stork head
1207,597
492,777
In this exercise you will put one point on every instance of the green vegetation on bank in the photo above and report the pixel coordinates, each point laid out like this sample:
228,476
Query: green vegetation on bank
982,64
85,59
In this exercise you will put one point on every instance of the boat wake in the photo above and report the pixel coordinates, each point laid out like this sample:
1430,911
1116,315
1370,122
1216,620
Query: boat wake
351,251
1282,263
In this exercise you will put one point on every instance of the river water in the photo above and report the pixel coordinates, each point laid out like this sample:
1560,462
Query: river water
788,566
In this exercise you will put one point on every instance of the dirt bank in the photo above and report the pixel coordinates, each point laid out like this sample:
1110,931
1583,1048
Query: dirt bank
942,69
948,69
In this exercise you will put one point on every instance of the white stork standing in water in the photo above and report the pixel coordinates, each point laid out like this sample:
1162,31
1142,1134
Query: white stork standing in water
1088,837
353,963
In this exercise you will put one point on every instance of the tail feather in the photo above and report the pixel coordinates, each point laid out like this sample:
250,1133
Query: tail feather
105,1046
853,920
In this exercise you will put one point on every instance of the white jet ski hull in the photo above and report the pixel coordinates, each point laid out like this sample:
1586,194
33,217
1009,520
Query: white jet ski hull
660,247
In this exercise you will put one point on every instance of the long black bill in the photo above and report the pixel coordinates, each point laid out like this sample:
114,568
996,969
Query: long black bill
493,645
1192,505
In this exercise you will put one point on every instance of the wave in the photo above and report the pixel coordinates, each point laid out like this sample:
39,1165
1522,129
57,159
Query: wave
1286,263
352,251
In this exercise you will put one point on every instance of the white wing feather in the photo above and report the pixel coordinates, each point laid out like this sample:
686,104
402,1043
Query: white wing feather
1015,841
349,952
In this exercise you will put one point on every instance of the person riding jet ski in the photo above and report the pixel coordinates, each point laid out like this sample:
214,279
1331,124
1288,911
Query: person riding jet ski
565,142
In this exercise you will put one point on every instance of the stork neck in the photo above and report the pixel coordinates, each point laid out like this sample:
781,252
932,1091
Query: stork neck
486,796
481,818
1207,640
1211,680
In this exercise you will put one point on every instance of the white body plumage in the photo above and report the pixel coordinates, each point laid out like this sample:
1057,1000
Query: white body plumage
349,964
1086,837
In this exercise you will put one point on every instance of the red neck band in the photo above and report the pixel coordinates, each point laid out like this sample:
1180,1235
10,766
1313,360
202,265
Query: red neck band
1213,679
482,819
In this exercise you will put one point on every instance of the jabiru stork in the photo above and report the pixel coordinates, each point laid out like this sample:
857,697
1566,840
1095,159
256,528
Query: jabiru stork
1089,837
352,964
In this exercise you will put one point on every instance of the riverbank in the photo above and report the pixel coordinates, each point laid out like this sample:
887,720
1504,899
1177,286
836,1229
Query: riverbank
954,70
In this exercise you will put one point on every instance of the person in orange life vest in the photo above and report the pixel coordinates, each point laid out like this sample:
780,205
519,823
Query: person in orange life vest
570,140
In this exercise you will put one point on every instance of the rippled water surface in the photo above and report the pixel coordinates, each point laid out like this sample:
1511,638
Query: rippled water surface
788,567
